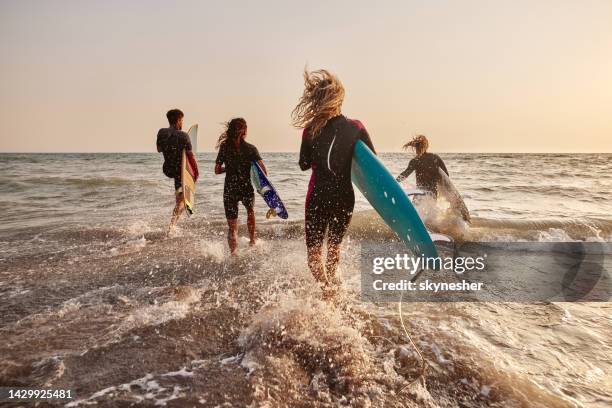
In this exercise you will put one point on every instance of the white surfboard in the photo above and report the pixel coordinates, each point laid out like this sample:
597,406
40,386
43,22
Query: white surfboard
193,135
452,195
188,174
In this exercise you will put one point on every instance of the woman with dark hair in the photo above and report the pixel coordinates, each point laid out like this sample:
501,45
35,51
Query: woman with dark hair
328,142
237,155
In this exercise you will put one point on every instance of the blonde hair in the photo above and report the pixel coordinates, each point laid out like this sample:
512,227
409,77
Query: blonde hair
321,101
419,144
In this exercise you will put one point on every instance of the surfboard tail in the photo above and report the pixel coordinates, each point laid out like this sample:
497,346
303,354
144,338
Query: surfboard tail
448,190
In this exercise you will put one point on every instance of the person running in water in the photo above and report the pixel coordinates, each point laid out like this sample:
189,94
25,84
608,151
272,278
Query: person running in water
328,141
428,177
425,165
237,155
171,141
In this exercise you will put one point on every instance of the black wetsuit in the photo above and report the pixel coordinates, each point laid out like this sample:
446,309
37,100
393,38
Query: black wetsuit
330,199
426,168
237,185
171,142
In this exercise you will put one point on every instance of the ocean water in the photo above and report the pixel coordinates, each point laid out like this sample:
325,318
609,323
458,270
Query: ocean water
95,297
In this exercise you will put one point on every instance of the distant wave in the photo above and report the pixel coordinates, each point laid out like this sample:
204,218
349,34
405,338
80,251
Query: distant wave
542,189
74,181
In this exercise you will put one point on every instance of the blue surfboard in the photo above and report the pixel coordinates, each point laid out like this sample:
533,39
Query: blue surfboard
267,191
387,197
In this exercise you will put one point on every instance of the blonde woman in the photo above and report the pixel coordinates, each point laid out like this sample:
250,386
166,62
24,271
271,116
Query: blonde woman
327,147
424,164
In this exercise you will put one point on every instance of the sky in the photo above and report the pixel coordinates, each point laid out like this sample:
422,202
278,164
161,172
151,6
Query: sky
474,76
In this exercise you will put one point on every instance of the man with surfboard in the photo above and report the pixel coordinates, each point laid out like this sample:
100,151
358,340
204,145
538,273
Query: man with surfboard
235,159
328,142
172,142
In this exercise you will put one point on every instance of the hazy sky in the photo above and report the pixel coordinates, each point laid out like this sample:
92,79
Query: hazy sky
475,76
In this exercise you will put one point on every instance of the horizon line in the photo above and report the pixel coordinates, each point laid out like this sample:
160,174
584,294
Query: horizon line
296,151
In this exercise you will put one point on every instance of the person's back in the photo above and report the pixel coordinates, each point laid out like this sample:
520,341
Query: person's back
425,165
171,142
426,171
330,154
238,161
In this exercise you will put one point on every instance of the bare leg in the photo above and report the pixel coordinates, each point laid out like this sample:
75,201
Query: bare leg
232,235
331,264
176,213
315,263
337,230
251,225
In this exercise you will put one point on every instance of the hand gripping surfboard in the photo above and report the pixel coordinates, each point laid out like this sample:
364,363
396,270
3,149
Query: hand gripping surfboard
265,188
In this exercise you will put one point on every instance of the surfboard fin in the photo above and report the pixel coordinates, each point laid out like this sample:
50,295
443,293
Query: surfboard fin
414,191
440,237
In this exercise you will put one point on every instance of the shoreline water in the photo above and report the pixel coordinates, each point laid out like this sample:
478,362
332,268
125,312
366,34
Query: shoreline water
96,298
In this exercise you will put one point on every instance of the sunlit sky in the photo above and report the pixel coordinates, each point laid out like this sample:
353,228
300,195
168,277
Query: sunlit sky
474,76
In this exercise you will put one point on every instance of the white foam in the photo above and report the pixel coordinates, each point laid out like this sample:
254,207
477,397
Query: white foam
183,372
213,249
139,227
554,235
156,314
149,387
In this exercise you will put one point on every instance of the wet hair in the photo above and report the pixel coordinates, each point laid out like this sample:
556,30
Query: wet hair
322,100
174,115
232,131
419,144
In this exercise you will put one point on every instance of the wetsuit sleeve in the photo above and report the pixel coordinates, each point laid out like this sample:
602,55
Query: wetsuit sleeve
363,135
441,165
255,156
404,175
221,155
160,141
186,141
305,152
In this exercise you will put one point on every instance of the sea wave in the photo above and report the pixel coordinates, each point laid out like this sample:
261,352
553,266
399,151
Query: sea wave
87,181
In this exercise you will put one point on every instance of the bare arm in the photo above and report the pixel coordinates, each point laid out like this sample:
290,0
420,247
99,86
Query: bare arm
263,166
